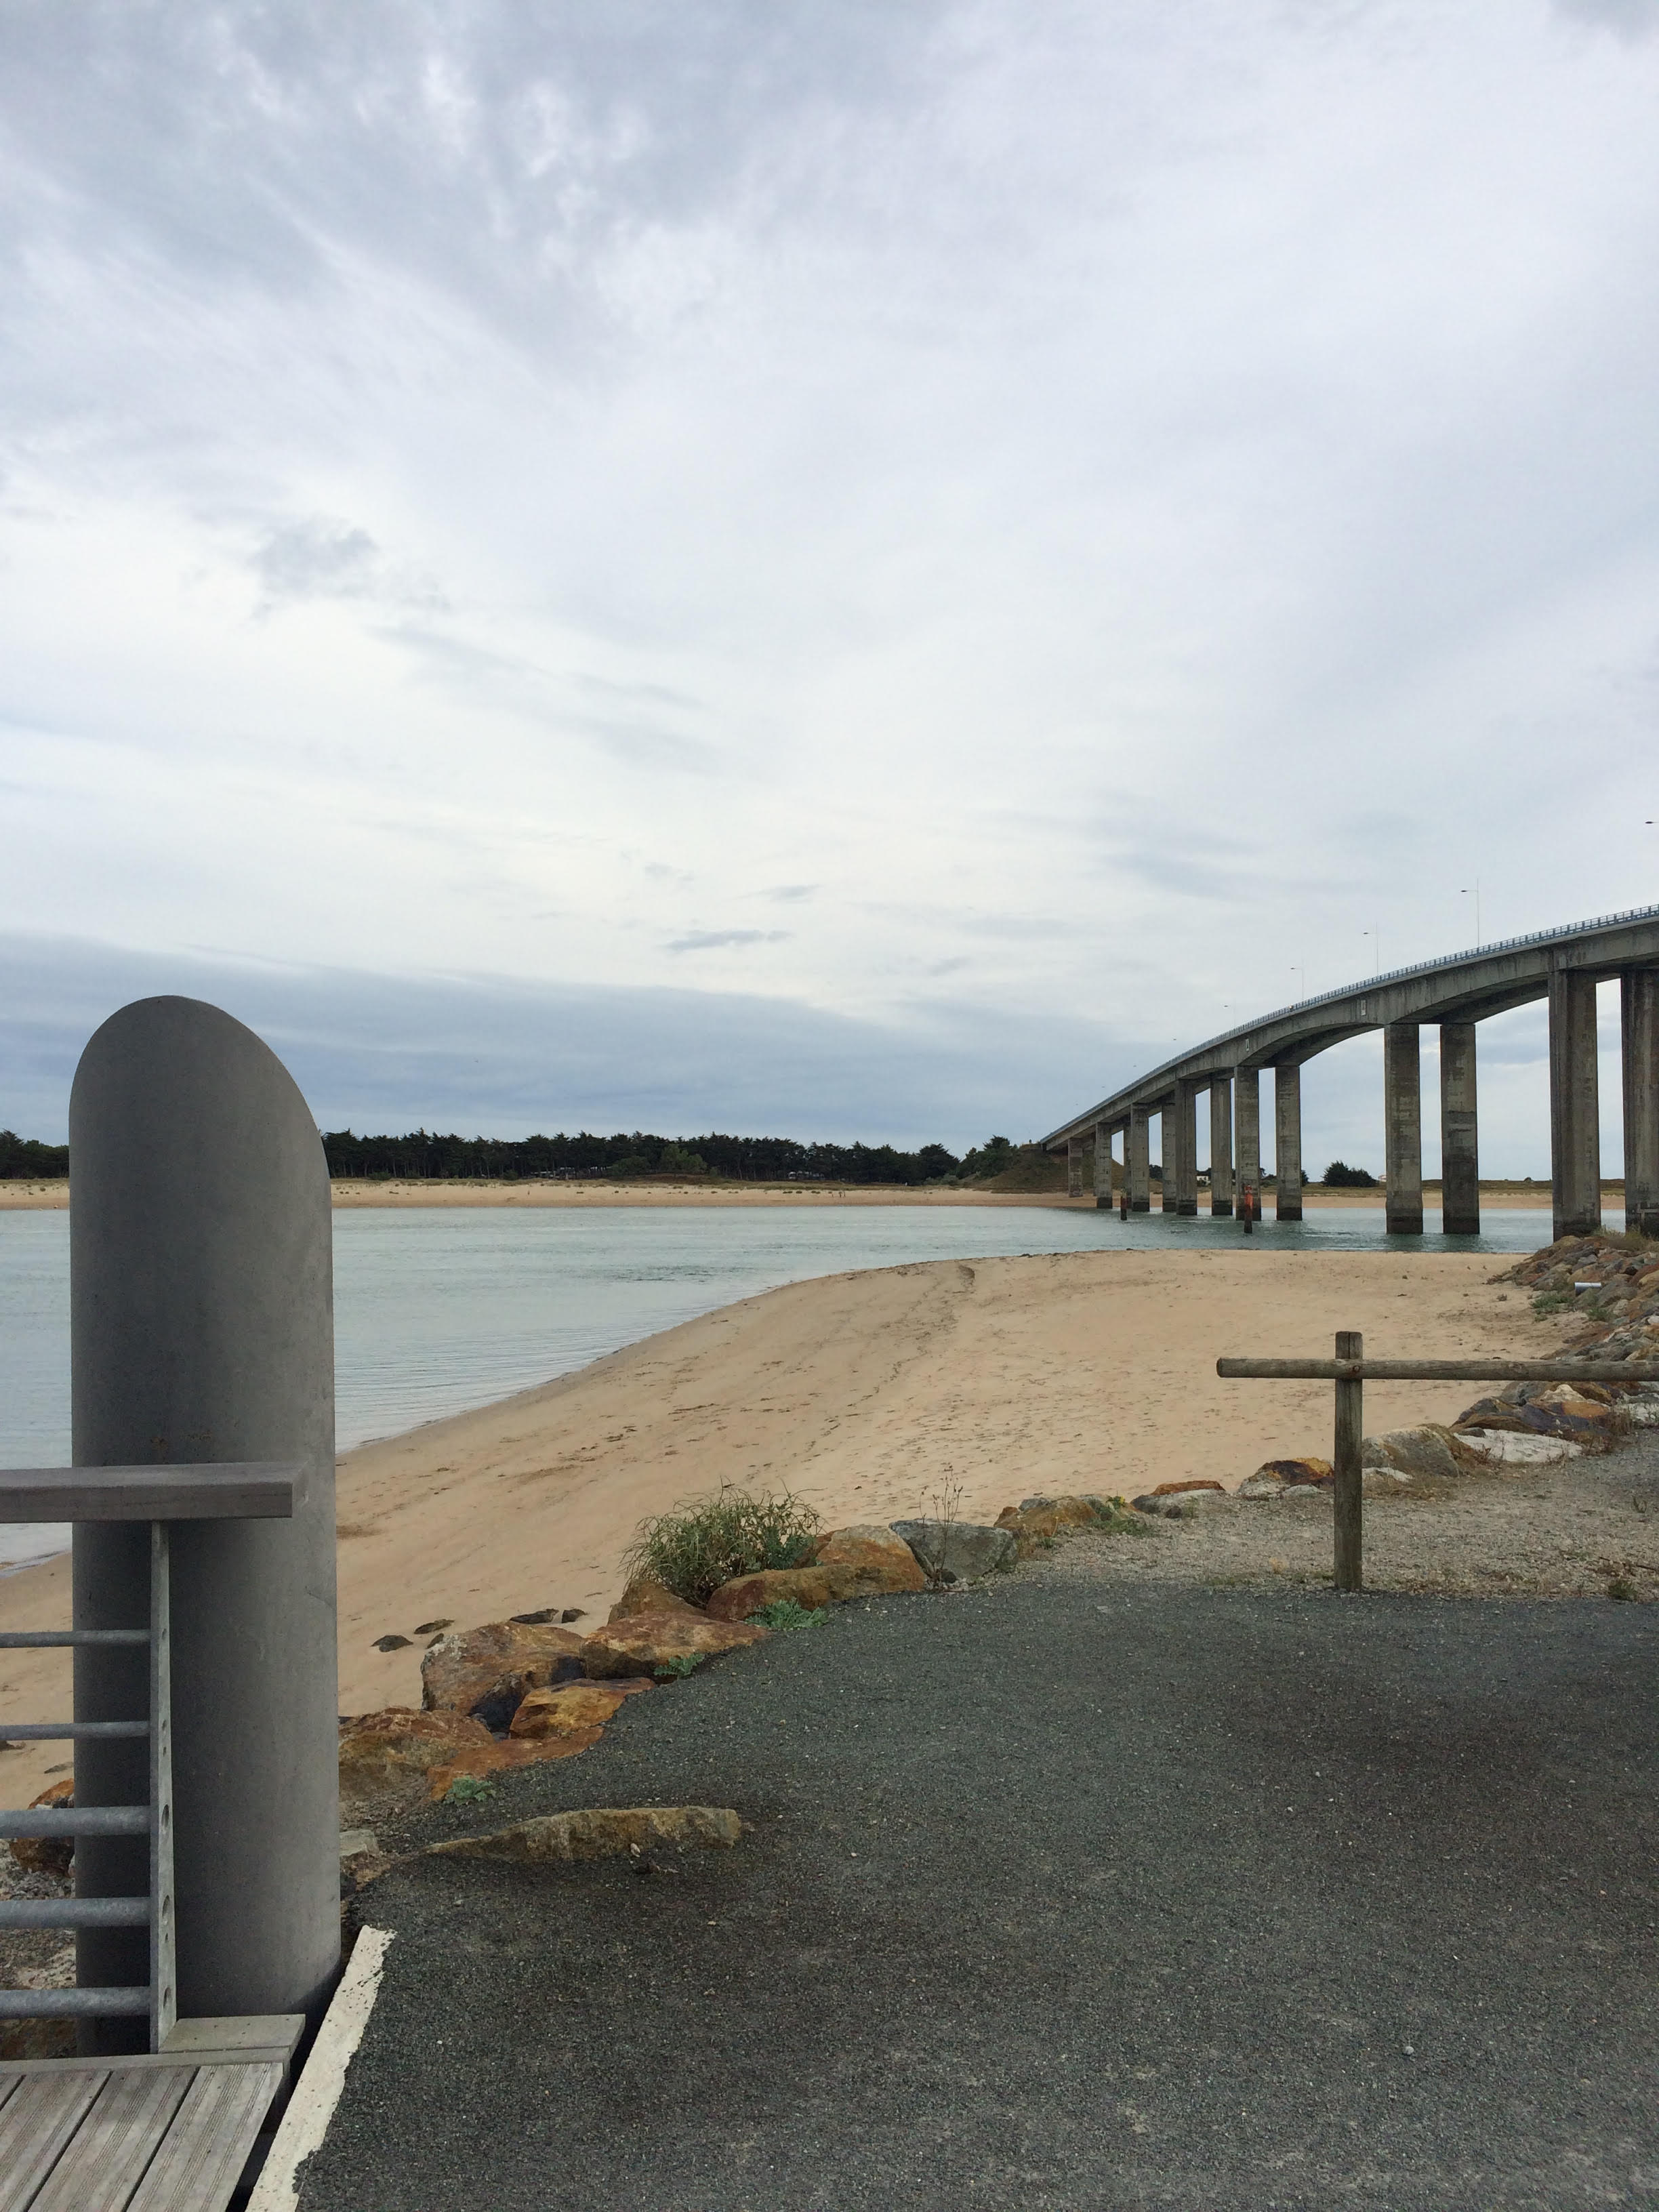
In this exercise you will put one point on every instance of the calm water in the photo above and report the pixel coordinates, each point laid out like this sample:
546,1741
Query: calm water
435,1312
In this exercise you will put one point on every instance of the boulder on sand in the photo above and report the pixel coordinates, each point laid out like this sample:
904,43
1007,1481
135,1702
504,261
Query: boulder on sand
487,1671
645,1593
849,1563
958,1551
646,1641
1427,1451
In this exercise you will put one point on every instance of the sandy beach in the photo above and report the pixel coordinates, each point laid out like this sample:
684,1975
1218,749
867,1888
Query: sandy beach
866,1393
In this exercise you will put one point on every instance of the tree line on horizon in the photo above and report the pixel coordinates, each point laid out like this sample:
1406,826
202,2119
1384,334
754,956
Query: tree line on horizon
630,1153
29,1156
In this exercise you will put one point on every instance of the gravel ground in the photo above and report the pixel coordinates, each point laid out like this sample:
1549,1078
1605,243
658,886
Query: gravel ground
1573,1529
1092,1888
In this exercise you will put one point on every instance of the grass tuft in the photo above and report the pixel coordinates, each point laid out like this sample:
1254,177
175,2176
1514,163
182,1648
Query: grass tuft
785,1614
706,1541
676,1670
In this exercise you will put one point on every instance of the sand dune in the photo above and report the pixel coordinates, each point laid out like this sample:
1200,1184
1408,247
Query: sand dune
866,1393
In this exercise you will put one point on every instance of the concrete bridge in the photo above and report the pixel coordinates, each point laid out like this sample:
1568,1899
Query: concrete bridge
1455,994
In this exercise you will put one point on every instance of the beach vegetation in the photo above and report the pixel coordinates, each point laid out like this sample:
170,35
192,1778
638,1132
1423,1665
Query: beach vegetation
785,1614
1340,1176
706,1541
1549,1302
468,1789
677,1669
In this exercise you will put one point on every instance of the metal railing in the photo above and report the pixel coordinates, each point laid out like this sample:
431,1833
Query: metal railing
257,1491
1351,1371
1563,935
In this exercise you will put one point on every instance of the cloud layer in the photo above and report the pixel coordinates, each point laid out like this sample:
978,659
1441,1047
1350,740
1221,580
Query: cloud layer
873,563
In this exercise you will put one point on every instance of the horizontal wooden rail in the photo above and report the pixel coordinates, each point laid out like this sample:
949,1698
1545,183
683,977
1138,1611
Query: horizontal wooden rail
1439,1370
231,1490
1351,1371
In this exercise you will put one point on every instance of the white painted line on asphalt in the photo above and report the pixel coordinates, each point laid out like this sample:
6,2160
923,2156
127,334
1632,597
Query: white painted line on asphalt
318,2090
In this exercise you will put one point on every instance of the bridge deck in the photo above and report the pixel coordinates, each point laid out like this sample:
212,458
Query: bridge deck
171,2133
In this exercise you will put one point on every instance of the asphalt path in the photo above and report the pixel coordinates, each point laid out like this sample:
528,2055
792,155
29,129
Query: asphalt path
1058,1897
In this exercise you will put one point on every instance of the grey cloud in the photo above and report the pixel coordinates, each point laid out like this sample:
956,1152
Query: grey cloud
1630,19
317,559
787,893
708,940
483,1052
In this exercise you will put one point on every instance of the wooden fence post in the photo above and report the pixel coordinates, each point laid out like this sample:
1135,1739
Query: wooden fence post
1345,1458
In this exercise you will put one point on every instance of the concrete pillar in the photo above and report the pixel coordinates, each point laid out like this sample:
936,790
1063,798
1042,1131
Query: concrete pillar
1181,1151
1221,1145
1402,1126
1460,1147
1638,1010
1103,1162
1247,1131
1287,1142
1074,1167
202,1328
1575,1128
1137,1152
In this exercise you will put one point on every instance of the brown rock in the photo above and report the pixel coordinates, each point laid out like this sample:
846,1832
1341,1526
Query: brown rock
488,1671
642,1643
574,1706
482,1760
869,1562
385,1753
811,1587
849,1563
609,1831
1039,1520
48,1854
646,1595
1293,1473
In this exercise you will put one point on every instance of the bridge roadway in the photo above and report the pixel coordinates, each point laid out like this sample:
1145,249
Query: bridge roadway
1455,994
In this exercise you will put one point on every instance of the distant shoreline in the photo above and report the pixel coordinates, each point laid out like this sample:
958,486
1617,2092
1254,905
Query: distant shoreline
354,1193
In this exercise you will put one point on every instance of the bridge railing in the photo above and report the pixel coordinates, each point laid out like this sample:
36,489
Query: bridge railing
1402,976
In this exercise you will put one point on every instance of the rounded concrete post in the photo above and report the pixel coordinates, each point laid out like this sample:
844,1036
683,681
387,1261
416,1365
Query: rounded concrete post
202,1328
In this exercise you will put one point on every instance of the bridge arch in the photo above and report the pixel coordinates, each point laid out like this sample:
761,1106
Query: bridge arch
1454,994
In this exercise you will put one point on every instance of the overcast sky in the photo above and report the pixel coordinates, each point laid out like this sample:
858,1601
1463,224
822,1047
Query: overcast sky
856,569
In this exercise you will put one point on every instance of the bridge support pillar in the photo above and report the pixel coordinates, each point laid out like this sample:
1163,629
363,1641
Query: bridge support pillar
1639,1008
1247,1132
1287,1142
1181,1151
1074,1167
1137,1153
1103,1162
1221,1145
1403,1121
1460,1151
1575,1128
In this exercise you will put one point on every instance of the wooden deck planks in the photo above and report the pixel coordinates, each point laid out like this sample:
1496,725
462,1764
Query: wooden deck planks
202,2157
37,2120
114,2144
